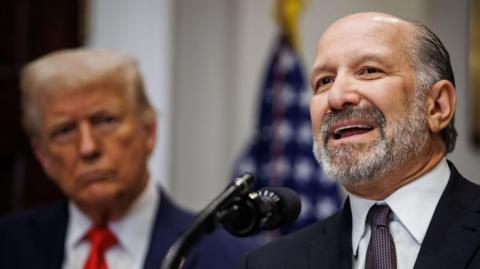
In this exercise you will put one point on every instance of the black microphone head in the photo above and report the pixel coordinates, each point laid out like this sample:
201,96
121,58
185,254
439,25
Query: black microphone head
287,203
268,209
241,217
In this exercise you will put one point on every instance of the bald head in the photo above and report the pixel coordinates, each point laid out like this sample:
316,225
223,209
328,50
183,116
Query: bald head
76,69
357,27
422,49
374,16
358,19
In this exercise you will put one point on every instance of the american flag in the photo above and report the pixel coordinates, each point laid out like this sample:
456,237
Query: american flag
280,153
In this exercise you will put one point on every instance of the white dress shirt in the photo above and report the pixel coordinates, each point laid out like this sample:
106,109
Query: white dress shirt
412,209
132,232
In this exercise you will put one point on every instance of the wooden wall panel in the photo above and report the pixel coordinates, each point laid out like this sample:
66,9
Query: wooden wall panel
29,29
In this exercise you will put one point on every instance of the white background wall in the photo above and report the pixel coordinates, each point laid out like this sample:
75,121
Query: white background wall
204,62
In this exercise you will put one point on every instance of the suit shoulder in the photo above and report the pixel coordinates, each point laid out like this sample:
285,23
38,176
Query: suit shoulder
24,235
221,239
226,248
299,238
280,252
459,184
20,219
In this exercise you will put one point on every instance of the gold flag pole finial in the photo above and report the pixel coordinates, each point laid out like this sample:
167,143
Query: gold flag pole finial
287,13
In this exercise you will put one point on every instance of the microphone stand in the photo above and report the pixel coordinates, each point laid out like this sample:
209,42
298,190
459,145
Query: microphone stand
204,223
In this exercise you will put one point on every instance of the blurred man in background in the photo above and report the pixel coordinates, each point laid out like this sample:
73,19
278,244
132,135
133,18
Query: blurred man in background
382,115
93,129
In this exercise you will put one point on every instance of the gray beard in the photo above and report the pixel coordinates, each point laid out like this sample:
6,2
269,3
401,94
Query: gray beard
354,164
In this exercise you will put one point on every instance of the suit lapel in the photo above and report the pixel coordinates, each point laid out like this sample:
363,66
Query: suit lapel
453,235
169,224
333,247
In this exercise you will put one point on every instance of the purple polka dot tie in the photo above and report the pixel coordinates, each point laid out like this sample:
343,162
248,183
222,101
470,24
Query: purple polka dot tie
381,249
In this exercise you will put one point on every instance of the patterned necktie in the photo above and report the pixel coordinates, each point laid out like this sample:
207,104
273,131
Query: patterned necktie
381,249
101,238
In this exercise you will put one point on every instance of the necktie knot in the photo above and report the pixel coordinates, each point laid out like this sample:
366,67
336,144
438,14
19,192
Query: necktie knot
378,215
101,238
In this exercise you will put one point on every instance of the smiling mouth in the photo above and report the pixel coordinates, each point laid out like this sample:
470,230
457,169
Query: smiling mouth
351,130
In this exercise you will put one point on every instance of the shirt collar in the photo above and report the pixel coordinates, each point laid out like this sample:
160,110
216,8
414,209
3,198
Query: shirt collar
132,231
412,204
359,207
78,226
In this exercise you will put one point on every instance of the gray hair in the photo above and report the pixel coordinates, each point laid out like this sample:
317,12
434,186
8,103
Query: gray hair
431,61
73,69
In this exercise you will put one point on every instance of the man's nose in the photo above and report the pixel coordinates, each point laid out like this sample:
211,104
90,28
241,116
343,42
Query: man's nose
343,93
88,144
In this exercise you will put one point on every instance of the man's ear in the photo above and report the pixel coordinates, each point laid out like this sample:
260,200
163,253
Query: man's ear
150,128
39,151
441,102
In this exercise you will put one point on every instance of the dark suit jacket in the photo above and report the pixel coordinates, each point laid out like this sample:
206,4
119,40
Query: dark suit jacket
35,240
452,239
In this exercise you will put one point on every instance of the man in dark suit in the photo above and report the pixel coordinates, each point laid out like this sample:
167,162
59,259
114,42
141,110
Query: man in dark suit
92,128
382,116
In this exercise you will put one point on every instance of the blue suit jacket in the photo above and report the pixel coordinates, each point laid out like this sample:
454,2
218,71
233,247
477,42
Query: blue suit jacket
36,238
452,240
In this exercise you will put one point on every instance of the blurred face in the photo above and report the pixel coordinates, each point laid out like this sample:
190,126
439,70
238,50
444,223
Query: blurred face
94,144
368,120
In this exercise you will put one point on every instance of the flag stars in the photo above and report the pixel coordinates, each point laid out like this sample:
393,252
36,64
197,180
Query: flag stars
287,95
284,131
304,134
305,97
303,170
281,167
325,207
287,61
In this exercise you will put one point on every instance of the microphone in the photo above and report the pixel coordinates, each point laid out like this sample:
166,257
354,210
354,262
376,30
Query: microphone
205,222
268,208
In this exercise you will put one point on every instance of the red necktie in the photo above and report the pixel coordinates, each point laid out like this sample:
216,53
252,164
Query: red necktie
101,238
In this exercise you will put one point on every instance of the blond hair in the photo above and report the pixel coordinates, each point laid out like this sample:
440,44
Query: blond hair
75,69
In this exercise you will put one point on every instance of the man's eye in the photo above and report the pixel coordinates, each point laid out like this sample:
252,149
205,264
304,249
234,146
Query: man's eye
370,70
104,121
109,119
63,132
323,81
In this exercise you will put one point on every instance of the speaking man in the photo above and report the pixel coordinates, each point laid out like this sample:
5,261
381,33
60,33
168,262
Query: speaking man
382,116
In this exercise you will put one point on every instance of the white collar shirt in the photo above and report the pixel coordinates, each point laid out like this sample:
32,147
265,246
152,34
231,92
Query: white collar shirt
412,208
132,232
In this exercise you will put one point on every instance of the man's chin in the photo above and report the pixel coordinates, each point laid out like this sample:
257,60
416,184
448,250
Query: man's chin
350,176
354,166
97,196
351,163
